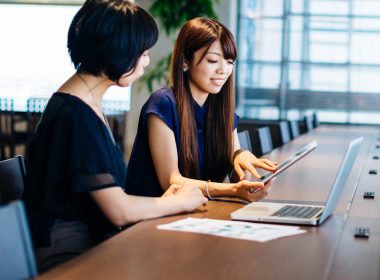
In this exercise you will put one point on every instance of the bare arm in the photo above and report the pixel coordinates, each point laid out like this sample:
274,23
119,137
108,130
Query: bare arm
122,209
236,141
165,159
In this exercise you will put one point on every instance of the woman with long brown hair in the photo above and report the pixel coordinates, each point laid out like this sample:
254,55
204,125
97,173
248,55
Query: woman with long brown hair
187,132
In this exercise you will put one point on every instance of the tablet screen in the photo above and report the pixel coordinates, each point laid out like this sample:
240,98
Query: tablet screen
290,161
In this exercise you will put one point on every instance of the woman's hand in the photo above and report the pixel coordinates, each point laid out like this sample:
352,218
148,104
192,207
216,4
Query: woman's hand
247,161
188,195
252,191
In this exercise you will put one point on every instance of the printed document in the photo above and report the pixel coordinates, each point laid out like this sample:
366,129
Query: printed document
233,229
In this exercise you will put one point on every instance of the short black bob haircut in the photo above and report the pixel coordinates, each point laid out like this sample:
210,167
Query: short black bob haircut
109,36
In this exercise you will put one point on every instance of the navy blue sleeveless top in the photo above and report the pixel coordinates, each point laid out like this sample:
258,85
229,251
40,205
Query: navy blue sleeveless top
141,175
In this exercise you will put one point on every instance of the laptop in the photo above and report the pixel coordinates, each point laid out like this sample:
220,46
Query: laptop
302,214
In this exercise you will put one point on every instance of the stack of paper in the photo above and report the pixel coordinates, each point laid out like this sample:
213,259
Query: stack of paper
233,229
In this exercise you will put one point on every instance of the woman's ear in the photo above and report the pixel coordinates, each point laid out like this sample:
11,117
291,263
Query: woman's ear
185,67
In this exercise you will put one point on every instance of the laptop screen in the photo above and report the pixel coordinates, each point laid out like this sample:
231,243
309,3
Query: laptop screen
341,178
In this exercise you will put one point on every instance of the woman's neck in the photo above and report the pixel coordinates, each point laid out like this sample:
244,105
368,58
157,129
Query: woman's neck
199,97
90,89
87,87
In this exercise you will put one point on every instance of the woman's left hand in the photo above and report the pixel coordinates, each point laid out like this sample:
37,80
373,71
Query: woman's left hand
259,194
247,161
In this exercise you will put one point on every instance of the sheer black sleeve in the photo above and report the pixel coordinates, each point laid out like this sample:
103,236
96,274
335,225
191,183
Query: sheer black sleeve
91,165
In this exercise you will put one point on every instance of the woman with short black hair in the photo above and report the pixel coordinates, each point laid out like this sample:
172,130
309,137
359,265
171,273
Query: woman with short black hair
75,181
109,39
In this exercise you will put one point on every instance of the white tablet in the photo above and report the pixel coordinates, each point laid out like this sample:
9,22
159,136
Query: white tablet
290,161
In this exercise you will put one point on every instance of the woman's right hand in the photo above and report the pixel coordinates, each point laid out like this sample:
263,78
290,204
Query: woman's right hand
188,195
252,191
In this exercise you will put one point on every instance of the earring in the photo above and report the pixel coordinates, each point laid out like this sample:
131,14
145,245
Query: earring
185,68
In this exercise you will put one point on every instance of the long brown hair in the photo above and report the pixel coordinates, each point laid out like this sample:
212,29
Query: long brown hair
196,34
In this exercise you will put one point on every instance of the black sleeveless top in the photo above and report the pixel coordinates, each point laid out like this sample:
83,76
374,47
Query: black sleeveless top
71,154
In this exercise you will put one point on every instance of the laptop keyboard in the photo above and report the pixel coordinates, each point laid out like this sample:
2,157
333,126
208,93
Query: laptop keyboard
297,211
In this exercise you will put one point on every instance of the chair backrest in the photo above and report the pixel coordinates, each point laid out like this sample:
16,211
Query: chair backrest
309,125
36,104
17,259
35,108
280,133
12,175
294,128
265,140
315,120
245,140
6,117
284,132
117,126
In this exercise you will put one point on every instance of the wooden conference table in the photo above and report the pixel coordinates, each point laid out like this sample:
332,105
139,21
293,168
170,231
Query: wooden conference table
329,251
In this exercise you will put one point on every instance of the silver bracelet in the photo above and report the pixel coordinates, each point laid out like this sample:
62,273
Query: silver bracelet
207,192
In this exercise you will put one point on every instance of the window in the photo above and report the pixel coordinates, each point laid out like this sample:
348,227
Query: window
297,56
34,57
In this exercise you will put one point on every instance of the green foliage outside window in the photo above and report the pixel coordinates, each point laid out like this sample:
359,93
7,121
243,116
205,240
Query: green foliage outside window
172,15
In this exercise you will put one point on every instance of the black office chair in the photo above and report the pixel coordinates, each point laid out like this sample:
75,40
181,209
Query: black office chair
265,140
245,140
261,141
10,137
12,175
280,133
116,112
294,128
17,259
307,124
315,120
284,132
35,107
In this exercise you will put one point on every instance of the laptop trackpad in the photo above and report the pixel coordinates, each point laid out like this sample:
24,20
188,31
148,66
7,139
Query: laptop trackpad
263,208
